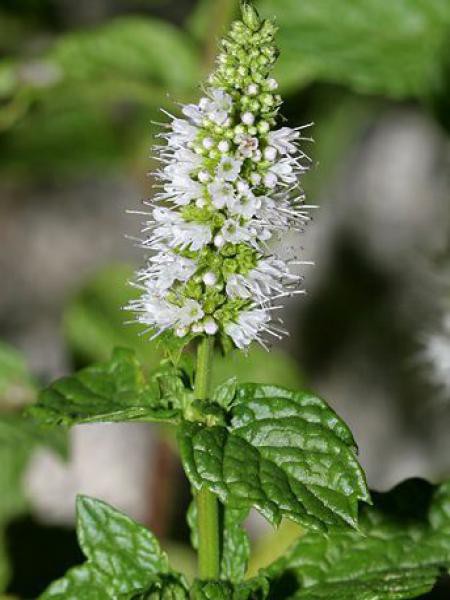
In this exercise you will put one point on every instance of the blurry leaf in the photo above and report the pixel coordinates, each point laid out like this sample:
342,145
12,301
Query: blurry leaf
18,439
402,547
259,366
16,385
94,93
285,453
272,544
393,48
94,322
114,391
122,556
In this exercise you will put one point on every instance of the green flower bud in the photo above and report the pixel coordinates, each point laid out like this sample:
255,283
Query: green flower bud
250,16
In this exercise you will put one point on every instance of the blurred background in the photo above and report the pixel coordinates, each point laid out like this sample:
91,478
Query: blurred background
80,84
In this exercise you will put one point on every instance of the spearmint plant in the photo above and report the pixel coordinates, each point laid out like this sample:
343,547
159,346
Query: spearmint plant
228,186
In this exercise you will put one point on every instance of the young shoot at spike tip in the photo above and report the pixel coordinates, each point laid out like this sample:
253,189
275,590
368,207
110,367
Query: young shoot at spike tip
229,185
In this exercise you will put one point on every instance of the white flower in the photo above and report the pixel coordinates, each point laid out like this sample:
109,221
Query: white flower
156,312
226,186
194,113
209,278
248,118
245,204
248,326
186,160
183,132
179,233
210,326
164,269
182,189
284,170
282,139
222,193
234,233
229,168
247,145
237,287
190,312
219,106
270,153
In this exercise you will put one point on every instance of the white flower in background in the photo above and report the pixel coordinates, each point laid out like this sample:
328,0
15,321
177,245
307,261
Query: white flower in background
436,354
228,182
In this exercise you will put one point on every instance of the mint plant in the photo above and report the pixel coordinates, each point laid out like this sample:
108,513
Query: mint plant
228,185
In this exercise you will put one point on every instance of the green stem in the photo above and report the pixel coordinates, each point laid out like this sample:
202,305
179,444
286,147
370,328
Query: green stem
207,504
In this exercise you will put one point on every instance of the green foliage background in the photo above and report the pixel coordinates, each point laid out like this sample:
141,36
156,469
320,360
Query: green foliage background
80,99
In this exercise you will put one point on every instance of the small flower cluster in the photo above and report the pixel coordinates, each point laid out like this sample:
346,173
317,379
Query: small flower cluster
229,182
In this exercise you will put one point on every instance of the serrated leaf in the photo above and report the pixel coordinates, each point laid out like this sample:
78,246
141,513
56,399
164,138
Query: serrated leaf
235,546
224,393
122,556
286,453
113,391
252,589
402,547
398,49
166,587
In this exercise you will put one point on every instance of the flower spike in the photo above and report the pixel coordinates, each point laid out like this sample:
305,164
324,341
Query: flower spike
229,183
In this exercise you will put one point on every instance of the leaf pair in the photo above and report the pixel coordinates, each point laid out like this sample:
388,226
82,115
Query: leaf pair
125,562
285,453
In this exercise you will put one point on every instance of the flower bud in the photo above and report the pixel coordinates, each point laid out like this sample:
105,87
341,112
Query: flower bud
250,16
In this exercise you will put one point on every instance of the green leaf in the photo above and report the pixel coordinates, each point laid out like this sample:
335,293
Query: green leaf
18,439
225,393
235,547
16,386
166,587
402,547
91,96
398,49
286,453
253,589
122,556
113,391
